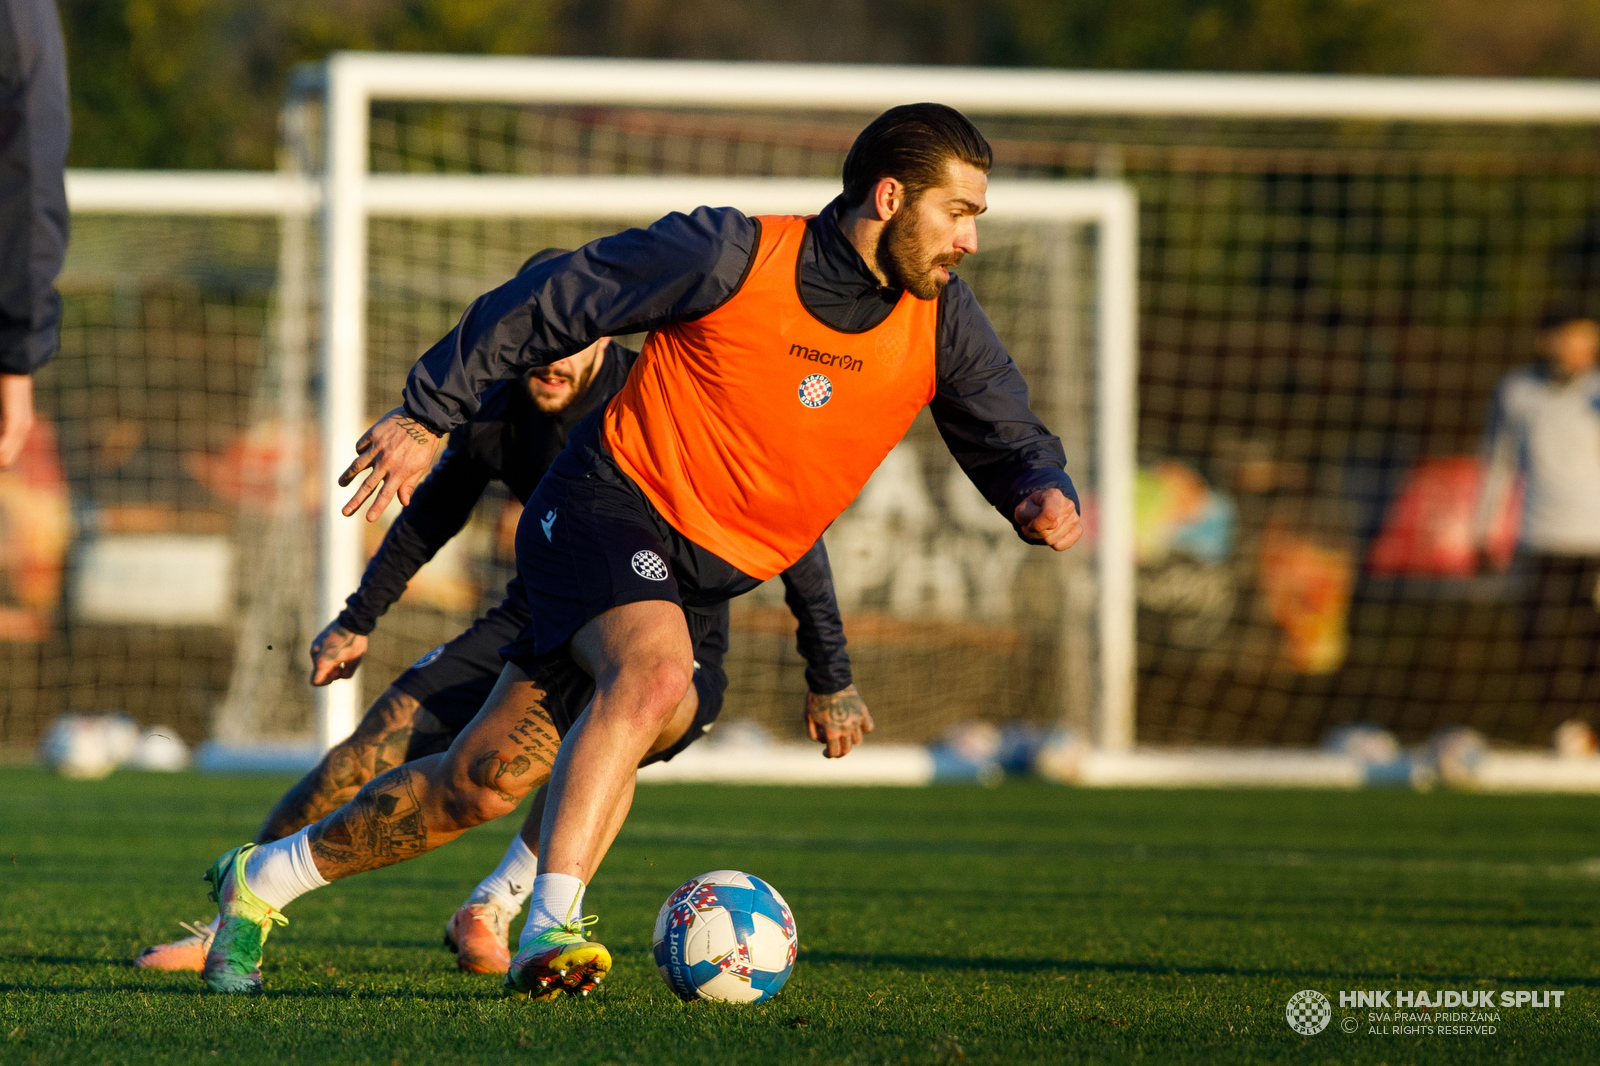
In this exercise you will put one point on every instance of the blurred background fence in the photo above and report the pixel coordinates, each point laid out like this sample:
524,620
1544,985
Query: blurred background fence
1325,308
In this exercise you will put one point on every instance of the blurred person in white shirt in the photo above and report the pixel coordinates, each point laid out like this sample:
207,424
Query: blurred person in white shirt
1545,428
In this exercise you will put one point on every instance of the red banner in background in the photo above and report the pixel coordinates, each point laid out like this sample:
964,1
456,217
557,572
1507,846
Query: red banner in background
1430,528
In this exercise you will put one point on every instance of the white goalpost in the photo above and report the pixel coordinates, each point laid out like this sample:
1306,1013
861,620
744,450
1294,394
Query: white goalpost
1106,206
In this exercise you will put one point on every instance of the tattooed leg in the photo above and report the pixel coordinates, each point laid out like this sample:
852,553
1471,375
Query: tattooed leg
384,823
502,756
379,743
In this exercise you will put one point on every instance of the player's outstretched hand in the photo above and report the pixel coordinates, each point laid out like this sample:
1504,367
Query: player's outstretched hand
840,720
1050,516
399,451
335,654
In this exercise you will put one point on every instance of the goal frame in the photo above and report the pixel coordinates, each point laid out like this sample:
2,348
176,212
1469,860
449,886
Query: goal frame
349,83
295,198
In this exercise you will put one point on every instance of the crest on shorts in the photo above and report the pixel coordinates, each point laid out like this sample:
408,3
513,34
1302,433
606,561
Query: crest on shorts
428,658
650,566
815,390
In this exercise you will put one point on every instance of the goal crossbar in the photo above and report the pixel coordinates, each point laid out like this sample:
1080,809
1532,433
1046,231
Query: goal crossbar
1109,206
818,86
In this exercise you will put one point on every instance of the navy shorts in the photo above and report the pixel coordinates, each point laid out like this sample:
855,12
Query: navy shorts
568,687
590,540
453,681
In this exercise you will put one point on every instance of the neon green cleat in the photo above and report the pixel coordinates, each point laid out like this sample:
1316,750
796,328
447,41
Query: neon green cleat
560,959
234,962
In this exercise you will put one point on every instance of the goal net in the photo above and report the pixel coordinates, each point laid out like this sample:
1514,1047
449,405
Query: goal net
1333,275
145,508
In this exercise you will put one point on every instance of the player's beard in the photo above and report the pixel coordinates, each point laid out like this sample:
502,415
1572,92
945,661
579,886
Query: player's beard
553,404
906,257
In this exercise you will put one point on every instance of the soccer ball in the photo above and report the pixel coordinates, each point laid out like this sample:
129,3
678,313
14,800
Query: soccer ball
725,935
78,746
161,750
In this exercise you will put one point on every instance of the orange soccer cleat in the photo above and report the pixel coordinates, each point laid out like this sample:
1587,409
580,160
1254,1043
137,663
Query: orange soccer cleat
189,953
477,934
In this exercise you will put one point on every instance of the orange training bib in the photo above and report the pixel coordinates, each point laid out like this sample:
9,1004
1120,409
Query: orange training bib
753,427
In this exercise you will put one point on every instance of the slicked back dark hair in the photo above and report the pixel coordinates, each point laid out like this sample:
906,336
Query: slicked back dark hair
914,144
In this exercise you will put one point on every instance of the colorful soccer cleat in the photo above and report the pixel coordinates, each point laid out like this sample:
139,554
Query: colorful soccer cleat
233,964
477,934
560,959
188,953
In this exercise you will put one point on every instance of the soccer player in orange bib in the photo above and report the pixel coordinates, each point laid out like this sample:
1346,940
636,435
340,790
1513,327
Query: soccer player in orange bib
785,358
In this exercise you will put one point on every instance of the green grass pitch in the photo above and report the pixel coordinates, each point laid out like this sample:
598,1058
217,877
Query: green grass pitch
1022,924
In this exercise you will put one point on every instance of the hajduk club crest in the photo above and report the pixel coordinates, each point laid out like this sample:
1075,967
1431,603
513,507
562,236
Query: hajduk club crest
815,390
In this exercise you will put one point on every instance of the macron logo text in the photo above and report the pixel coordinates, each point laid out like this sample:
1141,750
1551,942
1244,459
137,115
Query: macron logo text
843,362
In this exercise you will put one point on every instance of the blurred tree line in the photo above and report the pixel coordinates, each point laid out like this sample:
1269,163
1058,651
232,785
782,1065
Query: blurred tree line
196,83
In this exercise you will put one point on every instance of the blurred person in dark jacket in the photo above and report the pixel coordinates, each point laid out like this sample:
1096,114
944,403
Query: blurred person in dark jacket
35,126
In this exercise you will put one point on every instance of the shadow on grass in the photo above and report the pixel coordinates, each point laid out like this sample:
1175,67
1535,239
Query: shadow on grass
71,960
1384,858
342,991
927,963
1391,916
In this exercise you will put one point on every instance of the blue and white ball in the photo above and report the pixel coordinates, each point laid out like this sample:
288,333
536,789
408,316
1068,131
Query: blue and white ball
726,935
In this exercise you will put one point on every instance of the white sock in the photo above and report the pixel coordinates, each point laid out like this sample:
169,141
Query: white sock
509,885
282,871
556,900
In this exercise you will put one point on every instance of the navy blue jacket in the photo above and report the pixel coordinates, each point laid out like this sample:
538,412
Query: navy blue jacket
685,266
510,440
35,126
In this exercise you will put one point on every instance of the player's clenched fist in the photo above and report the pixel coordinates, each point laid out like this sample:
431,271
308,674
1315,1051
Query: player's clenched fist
399,451
1050,517
839,720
